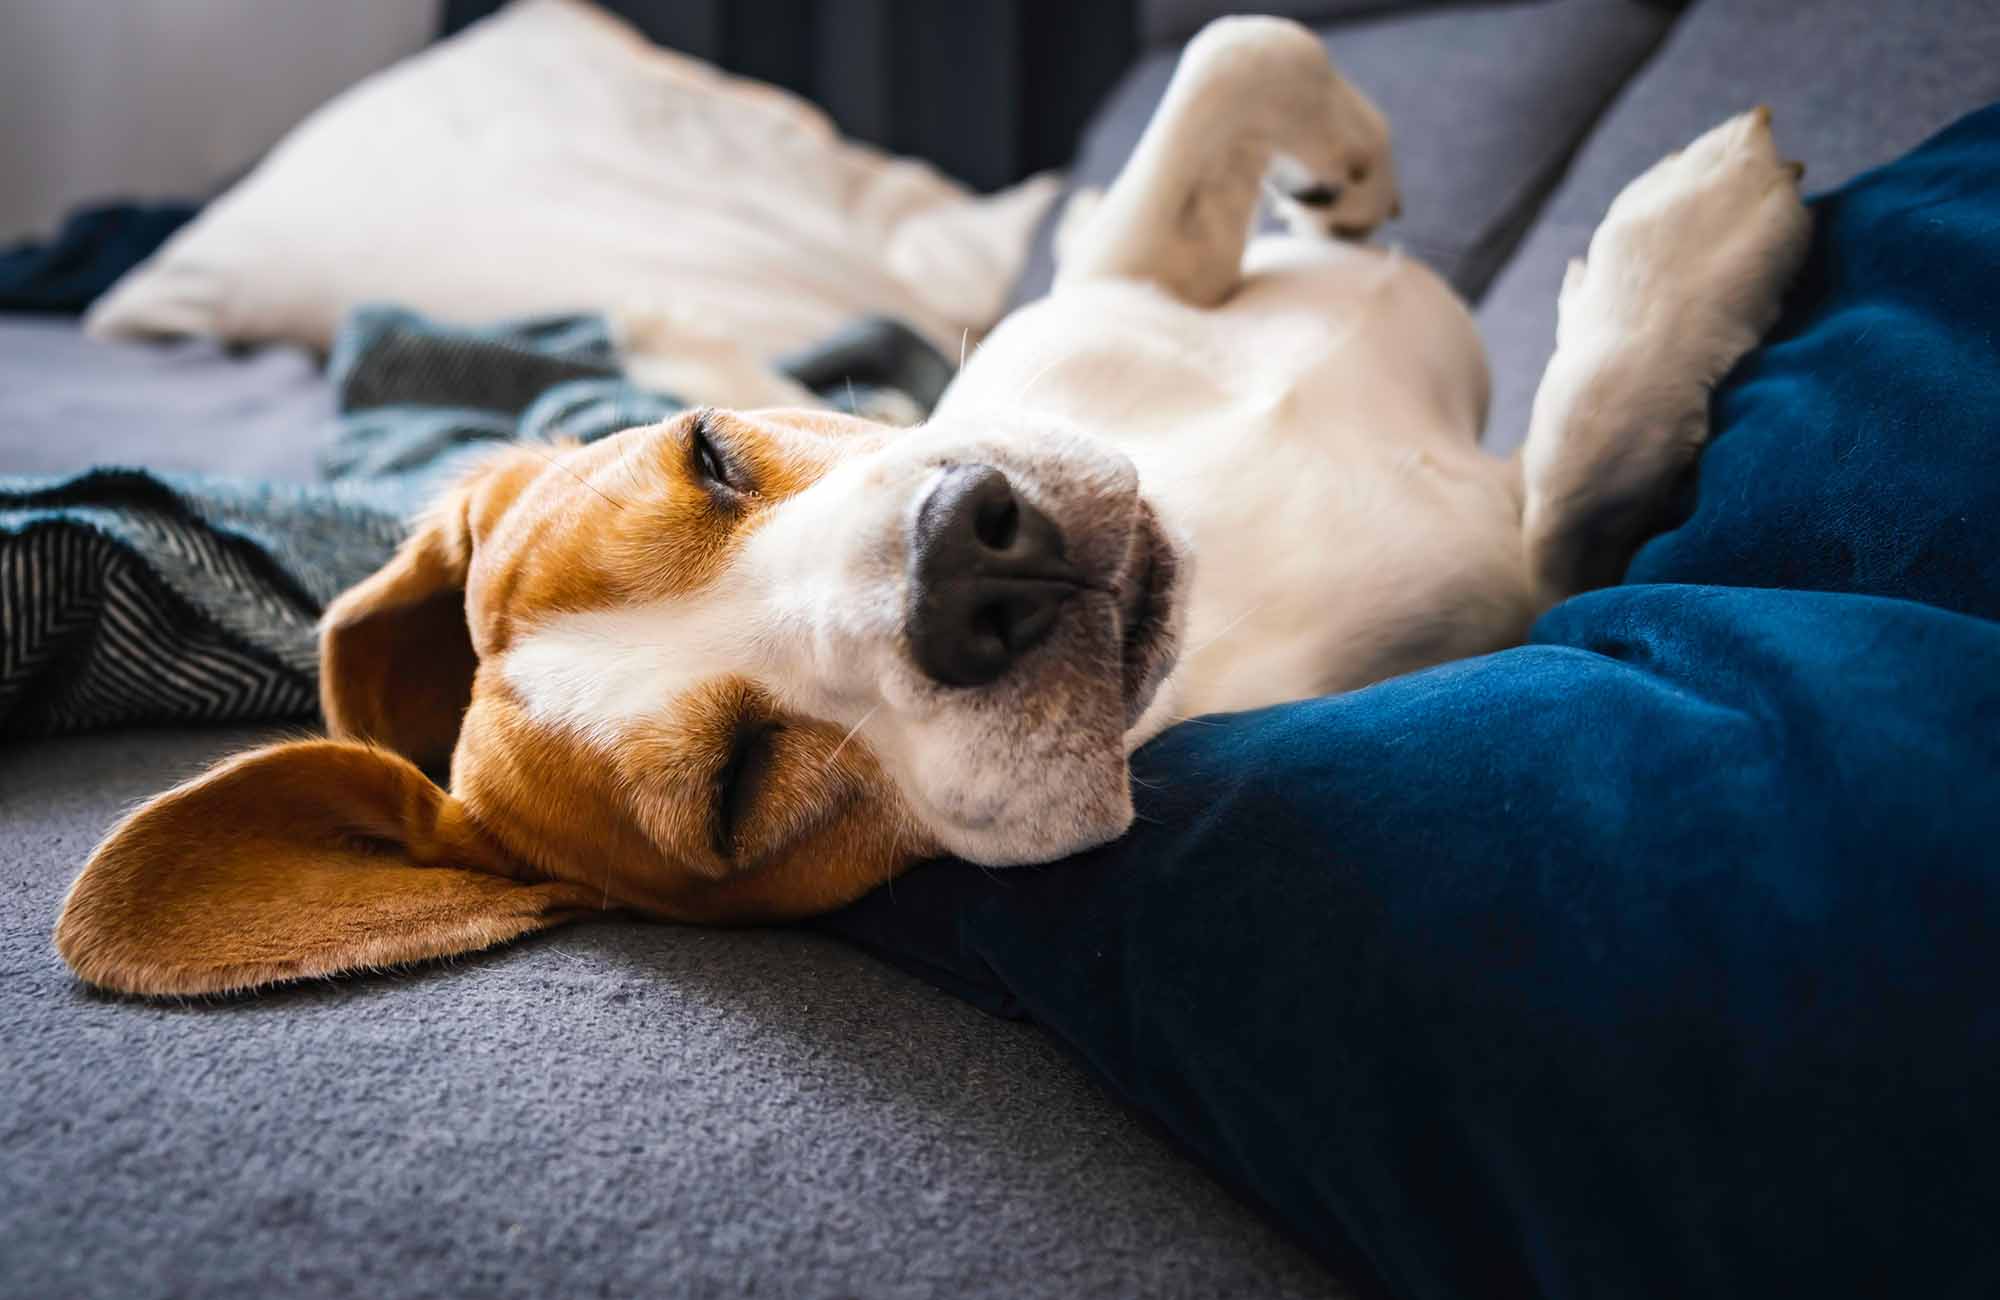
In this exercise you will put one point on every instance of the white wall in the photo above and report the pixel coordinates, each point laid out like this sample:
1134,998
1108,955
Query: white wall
167,98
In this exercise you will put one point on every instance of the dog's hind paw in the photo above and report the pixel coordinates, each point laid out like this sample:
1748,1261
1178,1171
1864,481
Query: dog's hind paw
1684,275
1694,256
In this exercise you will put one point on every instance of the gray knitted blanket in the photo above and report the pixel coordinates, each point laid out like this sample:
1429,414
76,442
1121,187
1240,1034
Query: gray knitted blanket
131,597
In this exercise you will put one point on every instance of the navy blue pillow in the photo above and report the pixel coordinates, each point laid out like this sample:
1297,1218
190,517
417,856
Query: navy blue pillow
1859,450
1654,958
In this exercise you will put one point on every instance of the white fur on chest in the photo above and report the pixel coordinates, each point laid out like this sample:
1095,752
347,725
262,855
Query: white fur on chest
1316,439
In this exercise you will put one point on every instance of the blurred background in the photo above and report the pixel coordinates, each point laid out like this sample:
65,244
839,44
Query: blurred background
1515,120
171,98
149,99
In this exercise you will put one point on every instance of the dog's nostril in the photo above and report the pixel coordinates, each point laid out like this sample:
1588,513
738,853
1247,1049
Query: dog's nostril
988,577
998,522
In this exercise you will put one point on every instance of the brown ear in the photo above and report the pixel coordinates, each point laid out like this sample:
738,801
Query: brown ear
299,860
396,656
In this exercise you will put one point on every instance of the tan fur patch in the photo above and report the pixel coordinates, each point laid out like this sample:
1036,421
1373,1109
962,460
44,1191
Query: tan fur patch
295,861
649,830
625,521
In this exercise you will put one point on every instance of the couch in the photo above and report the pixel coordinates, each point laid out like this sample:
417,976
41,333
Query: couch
625,1109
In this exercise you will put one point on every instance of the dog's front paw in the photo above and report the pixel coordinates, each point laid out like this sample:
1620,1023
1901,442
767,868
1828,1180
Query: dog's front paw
1331,173
1360,197
1693,259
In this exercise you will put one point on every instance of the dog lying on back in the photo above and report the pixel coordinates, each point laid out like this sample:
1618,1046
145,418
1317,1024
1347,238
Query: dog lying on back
747,666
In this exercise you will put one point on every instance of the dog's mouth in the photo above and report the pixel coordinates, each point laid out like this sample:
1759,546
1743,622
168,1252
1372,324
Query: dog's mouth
1146,605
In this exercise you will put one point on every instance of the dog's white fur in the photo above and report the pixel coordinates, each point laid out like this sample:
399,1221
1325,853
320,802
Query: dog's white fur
1304,413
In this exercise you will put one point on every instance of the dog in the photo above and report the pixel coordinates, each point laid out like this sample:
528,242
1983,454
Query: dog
747,666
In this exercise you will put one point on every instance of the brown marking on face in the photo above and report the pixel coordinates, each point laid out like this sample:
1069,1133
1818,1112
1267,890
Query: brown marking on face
631,520
670,823
725,809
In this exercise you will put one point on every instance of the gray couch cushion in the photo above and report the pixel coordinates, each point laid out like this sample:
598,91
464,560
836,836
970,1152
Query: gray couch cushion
1486,102
615,1109
68,402
1852,83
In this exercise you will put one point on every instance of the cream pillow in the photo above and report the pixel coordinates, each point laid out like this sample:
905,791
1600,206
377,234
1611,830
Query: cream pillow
550,159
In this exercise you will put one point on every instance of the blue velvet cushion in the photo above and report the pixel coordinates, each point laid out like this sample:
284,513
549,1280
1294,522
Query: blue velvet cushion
1656,957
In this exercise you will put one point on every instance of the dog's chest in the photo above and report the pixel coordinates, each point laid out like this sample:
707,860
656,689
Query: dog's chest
1314,438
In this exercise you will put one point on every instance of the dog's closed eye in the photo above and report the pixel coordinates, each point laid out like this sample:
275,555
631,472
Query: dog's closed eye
371,844
710,460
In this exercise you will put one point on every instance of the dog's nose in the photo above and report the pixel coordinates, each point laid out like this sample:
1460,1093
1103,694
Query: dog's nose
987,577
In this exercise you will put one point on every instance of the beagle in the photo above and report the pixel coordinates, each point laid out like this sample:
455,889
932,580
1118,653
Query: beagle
746,666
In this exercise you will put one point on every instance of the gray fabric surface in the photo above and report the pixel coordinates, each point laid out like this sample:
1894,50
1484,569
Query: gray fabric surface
68,402
1486,103
1852,83
612,1109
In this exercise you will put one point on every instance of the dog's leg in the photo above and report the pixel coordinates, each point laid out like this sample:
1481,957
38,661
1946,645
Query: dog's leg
1684,275
1251,96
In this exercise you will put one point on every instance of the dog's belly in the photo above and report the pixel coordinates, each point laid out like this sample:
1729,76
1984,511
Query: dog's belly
1315,438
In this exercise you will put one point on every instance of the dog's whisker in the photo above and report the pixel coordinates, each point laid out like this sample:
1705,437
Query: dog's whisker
1227,628
896,852
964,337
572,473
1036,378
852,732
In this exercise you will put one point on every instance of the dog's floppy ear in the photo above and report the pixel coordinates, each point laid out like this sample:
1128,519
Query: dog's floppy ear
396,657
297,860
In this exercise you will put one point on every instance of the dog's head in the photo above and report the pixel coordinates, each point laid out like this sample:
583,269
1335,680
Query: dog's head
732,667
